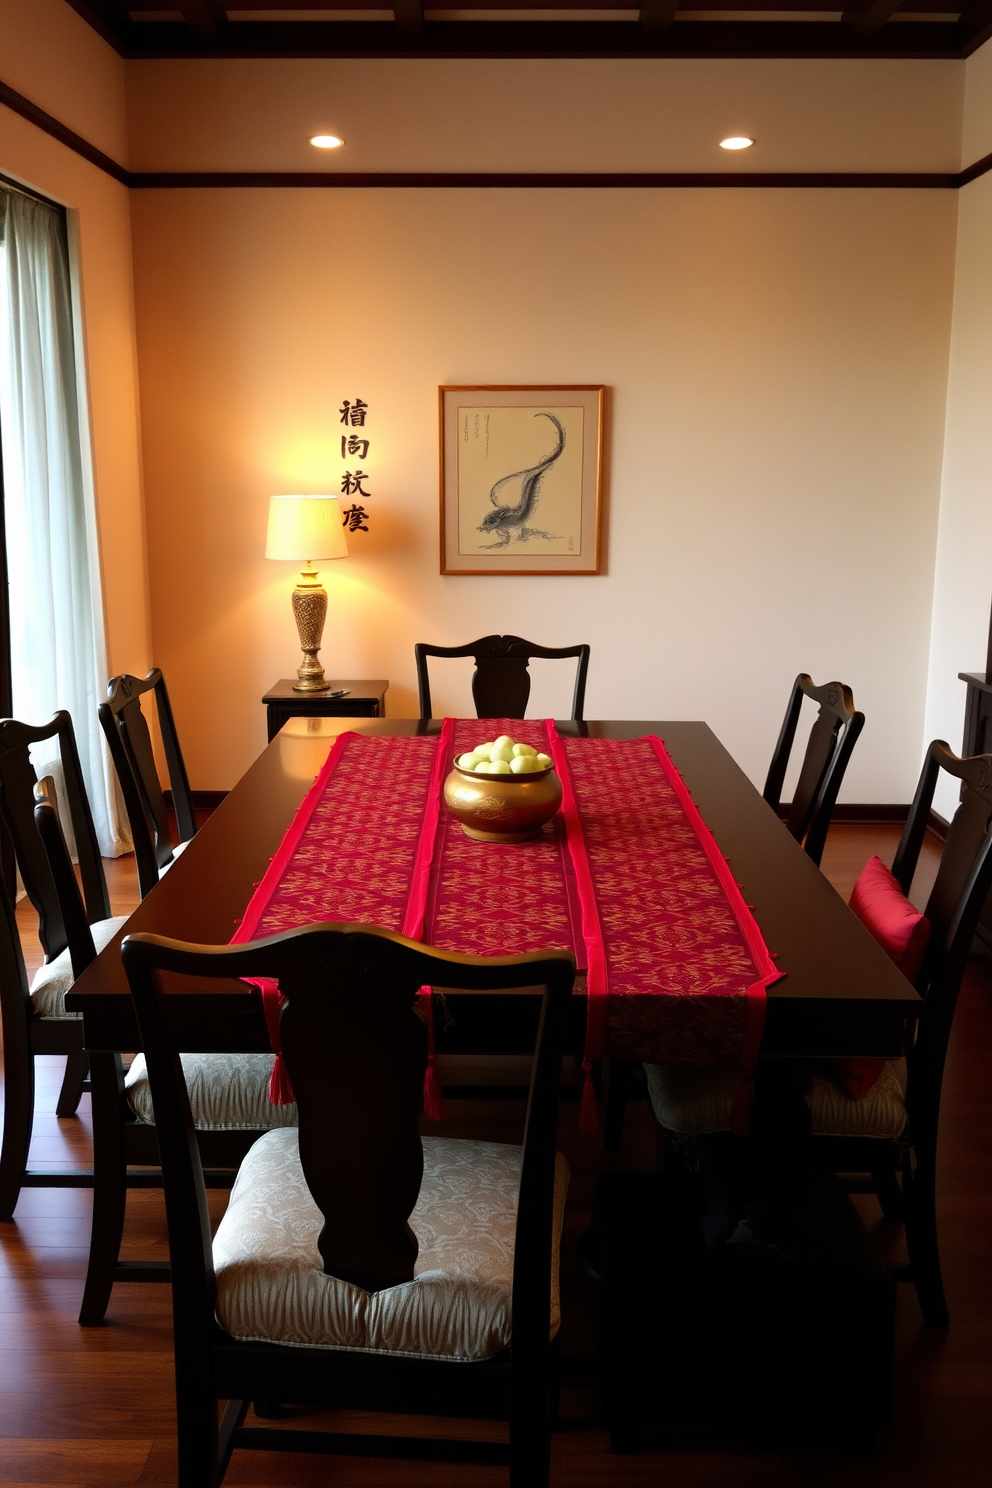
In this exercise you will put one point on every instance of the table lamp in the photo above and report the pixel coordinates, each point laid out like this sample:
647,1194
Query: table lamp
308,530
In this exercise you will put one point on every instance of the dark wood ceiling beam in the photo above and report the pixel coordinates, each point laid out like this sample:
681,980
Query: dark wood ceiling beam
109,19
974,26
656,17
544,39
203,17
409,18
866,19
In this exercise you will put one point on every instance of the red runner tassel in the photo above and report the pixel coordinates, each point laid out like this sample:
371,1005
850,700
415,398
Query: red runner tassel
433,1099
588,1109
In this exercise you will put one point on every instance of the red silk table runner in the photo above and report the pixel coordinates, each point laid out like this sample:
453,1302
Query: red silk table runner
627,877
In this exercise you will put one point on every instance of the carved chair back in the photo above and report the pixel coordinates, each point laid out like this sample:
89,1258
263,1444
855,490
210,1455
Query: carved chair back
356,1053
18,780
829,748
962,885
131,751
501,680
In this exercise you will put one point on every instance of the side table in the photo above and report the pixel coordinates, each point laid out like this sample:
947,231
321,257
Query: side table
362,700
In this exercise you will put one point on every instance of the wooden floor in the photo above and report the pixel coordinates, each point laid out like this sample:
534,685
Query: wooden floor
95,1406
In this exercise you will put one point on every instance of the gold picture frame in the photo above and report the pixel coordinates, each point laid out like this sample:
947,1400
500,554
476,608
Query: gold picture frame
521,478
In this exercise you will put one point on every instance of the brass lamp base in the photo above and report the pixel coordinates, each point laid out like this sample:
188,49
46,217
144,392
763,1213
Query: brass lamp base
310,609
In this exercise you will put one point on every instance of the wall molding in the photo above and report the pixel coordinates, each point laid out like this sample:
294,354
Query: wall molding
543,180
18,104
534,180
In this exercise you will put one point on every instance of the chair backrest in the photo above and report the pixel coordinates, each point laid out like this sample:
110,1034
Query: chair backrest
17,802
501,680
15,999
134,760
356,1053
73,910
828,750
960,890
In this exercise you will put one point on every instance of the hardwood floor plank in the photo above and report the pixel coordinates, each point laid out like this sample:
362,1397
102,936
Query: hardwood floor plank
43,1461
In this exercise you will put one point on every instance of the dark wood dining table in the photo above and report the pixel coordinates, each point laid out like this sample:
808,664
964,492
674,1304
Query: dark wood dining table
841,995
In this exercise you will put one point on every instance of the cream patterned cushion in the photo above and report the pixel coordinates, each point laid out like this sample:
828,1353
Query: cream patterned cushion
879,1113
270,1280
52,981
227,1092
691,1102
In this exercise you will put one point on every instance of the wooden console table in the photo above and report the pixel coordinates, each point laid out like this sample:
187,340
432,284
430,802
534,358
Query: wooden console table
362,700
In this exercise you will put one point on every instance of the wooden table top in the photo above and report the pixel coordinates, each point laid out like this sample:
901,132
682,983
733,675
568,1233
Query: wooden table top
841,994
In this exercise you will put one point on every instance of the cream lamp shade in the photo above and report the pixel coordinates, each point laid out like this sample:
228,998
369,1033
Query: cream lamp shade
305,529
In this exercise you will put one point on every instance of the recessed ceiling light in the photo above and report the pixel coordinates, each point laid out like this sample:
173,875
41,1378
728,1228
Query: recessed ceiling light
736,142
330,141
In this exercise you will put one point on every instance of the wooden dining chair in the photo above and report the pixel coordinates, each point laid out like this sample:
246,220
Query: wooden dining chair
828,751
357,1264
35,1020
889,1135
130,746
229,1096
501,680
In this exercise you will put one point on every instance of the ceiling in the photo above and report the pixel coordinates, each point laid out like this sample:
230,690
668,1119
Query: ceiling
541,28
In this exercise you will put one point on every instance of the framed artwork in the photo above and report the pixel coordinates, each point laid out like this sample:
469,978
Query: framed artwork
521,479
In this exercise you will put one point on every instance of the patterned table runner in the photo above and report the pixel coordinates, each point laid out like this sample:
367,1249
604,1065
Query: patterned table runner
627,877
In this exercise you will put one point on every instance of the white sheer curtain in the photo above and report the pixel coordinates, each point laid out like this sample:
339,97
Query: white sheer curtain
58,648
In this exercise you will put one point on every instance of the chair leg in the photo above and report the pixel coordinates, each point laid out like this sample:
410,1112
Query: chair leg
18,1117
554,1384
530,1427
617,1092
201,1462
890,1196
921,1239
76,1069
109,1187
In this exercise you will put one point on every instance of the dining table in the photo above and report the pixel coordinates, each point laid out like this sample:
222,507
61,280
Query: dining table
839,994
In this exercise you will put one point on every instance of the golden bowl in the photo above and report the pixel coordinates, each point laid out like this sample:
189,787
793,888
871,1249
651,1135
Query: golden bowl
502,808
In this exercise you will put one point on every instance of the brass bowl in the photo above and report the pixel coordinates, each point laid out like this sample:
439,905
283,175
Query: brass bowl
502,808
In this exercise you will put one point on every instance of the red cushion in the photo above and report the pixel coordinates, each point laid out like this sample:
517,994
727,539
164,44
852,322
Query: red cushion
883,908
903,932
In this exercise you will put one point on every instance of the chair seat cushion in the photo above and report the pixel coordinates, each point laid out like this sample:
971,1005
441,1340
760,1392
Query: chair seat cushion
270,1280
691,1102
227,1092
52,981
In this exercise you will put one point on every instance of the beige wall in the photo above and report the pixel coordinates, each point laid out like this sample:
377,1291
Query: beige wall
777,366
48,54
963,579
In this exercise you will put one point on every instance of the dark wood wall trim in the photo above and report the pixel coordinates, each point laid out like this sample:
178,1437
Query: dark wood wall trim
35,115
543,181
972,172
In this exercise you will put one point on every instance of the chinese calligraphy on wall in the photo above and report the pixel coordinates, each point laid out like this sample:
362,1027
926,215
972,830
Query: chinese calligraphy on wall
355,452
